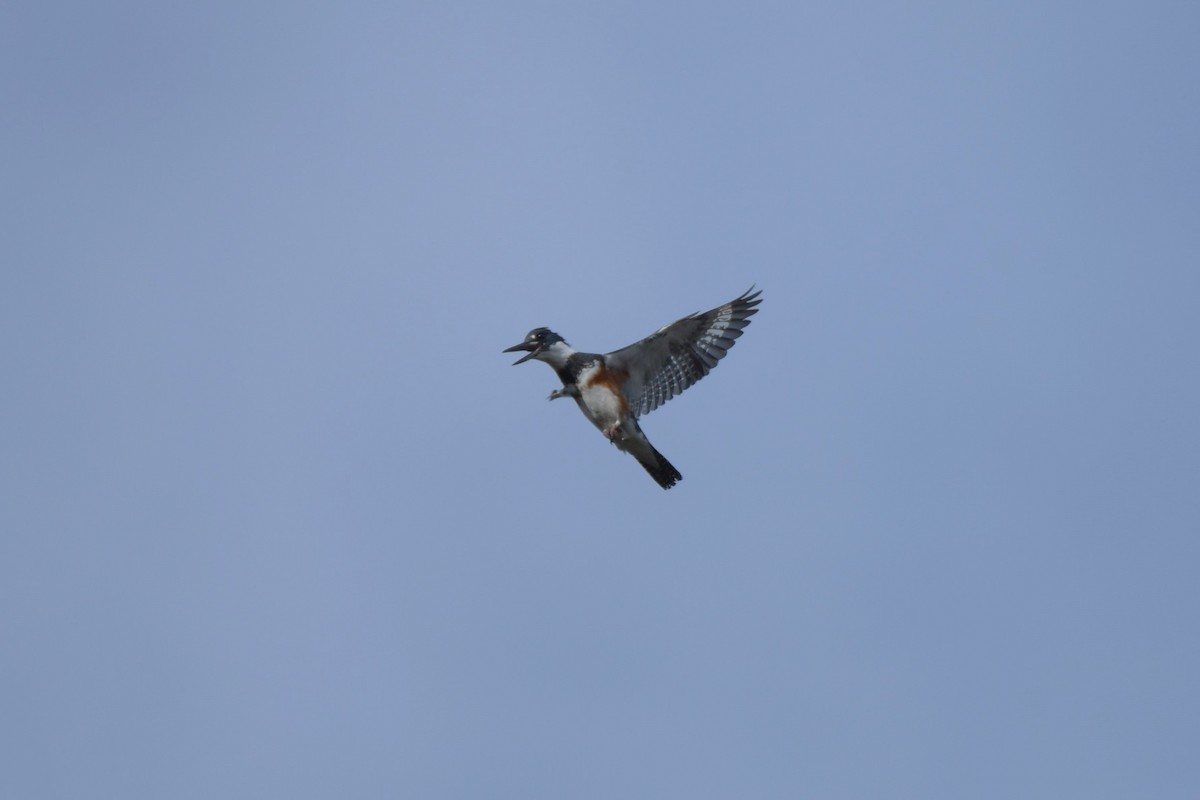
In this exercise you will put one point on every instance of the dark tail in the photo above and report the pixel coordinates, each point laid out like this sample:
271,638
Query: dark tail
659,468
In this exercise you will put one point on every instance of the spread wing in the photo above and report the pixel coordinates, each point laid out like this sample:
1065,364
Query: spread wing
665,363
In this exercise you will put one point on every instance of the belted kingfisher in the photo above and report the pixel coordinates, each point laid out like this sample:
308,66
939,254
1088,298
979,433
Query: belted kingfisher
614,389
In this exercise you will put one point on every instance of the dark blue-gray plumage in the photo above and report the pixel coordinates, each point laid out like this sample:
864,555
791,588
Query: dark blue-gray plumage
614,389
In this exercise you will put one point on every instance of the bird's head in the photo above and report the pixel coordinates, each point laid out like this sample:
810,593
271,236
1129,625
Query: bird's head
537,342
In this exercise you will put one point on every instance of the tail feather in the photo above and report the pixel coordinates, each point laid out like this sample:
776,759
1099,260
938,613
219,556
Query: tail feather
633,441
663,472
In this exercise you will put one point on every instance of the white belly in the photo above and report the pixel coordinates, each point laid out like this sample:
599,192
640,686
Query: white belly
598,401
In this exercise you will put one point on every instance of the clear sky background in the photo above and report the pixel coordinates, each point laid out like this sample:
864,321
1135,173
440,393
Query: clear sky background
280,520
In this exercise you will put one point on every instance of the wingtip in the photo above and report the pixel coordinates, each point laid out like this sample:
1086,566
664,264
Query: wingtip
750,294
749,299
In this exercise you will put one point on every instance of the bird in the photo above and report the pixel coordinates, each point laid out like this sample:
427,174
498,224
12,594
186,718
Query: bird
613,390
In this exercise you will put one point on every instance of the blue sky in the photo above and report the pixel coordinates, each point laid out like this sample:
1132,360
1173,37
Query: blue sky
280,520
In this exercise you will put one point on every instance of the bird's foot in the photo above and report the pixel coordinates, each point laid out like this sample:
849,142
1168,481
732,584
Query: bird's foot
566,391
613,432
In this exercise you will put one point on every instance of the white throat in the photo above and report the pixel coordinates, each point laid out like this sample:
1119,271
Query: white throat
556,354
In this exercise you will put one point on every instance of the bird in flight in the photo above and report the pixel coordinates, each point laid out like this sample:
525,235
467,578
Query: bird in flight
614,389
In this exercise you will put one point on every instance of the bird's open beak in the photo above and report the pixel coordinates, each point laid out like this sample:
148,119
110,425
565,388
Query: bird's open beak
532,348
